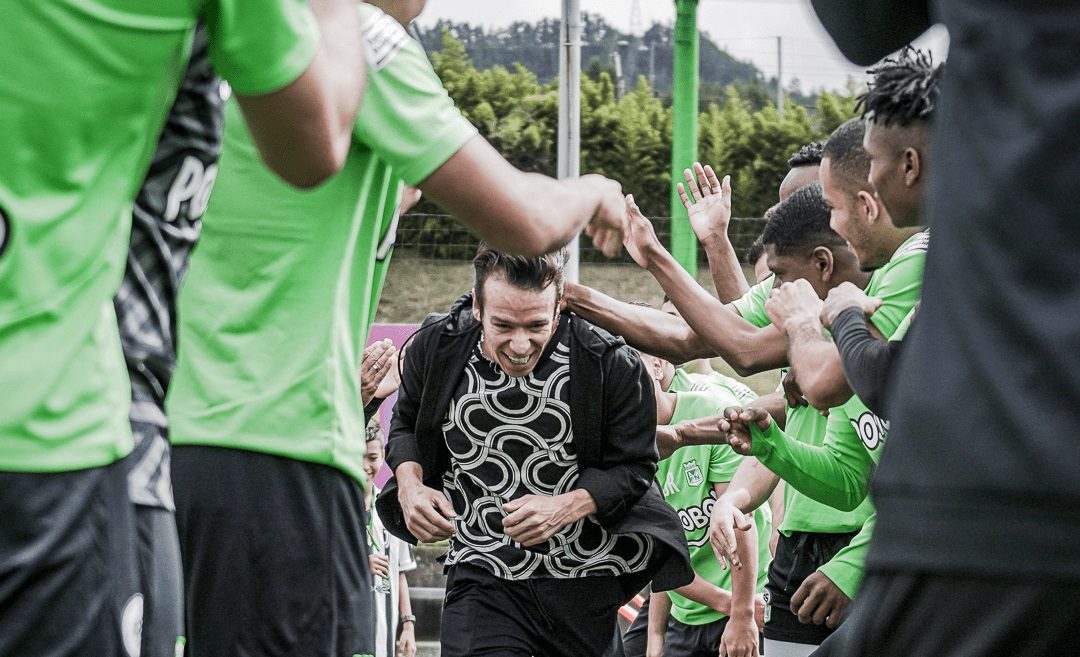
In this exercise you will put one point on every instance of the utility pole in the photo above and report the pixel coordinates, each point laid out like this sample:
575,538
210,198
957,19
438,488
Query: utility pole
569,142
780,77
684,116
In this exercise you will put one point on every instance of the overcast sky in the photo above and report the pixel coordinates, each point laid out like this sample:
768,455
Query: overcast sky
745,28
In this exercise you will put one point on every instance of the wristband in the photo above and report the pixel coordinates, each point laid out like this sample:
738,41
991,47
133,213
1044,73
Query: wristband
408,618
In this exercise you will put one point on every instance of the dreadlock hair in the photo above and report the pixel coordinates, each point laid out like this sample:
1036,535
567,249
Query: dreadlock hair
848,160
801,222
807,155
903,90
520,272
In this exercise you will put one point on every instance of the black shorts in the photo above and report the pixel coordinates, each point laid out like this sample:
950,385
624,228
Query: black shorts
67,564
797,557
160,581
275,556
484,615
913,613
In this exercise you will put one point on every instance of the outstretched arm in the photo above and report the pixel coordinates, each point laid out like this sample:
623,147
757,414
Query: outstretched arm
708,205
745,347
526,213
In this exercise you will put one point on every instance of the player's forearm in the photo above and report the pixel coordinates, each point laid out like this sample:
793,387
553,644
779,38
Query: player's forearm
648,329
745,347
840,480
744,580
751,485
659,611
404,601
816,364
705,592
727,272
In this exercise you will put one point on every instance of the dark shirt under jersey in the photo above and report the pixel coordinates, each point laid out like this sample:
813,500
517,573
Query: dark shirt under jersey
165,227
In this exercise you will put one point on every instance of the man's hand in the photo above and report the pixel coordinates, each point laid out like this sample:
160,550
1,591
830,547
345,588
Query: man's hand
406,645
410,196
379,564
608,225
759,612
427,512
533,519
740,637
792,392
640,240
736,426
793,300
843,296
376,364
723,521
392,381
708,203
819,601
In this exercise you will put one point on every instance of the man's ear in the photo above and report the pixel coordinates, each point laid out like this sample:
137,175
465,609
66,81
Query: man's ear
867,205
824,262
912,167
475,306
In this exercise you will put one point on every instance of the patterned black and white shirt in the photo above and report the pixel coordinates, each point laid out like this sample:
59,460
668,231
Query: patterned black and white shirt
509,437
165,227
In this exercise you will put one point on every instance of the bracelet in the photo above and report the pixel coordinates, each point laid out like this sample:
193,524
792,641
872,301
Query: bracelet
408,618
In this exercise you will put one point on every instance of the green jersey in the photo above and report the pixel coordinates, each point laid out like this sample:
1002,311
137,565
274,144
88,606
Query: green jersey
86,85
687,479
284,284
684,381
899,283
752,304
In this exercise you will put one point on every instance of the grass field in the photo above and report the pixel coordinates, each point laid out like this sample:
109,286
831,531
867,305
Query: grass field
416,287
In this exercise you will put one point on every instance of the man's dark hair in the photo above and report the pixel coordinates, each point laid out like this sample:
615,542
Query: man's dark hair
848,160
520,272
755,251
808,155
801,222
904,90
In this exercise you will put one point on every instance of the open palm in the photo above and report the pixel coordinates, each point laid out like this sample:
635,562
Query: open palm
707,201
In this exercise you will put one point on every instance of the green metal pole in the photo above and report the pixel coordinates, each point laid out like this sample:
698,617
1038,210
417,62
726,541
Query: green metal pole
684,128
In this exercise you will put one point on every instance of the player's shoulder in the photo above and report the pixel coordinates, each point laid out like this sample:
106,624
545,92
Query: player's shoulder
384,37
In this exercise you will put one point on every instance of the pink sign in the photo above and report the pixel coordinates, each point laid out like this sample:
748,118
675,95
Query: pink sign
397,333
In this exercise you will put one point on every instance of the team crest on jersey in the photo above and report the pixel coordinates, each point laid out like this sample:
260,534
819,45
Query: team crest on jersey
5,231
693,473
871,429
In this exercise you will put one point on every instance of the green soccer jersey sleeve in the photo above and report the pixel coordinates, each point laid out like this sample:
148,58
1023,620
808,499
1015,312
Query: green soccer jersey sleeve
846,568
406,117
752,304
261,46
837,473
898,284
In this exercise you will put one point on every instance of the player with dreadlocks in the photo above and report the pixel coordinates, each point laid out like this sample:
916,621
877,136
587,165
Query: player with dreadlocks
898,108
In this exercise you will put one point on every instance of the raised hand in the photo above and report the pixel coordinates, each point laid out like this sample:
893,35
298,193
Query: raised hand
640,240
796,299
844,296
707,201
608,226
378,360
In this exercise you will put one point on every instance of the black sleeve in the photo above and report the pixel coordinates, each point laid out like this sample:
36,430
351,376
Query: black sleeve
401,445
629,438
372,408
867,361
867,30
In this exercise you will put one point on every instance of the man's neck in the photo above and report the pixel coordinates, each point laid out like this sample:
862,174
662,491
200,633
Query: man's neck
896,239
665,407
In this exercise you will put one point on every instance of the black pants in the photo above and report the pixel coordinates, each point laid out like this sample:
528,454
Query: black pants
910,613
274,554
797,557
67,564
484,615
161,581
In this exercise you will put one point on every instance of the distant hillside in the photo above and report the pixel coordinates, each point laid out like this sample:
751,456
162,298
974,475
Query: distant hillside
534,45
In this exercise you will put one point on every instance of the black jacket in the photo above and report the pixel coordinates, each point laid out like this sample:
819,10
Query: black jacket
614,417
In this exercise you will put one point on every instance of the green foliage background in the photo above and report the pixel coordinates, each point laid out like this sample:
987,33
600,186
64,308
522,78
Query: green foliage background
628,139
